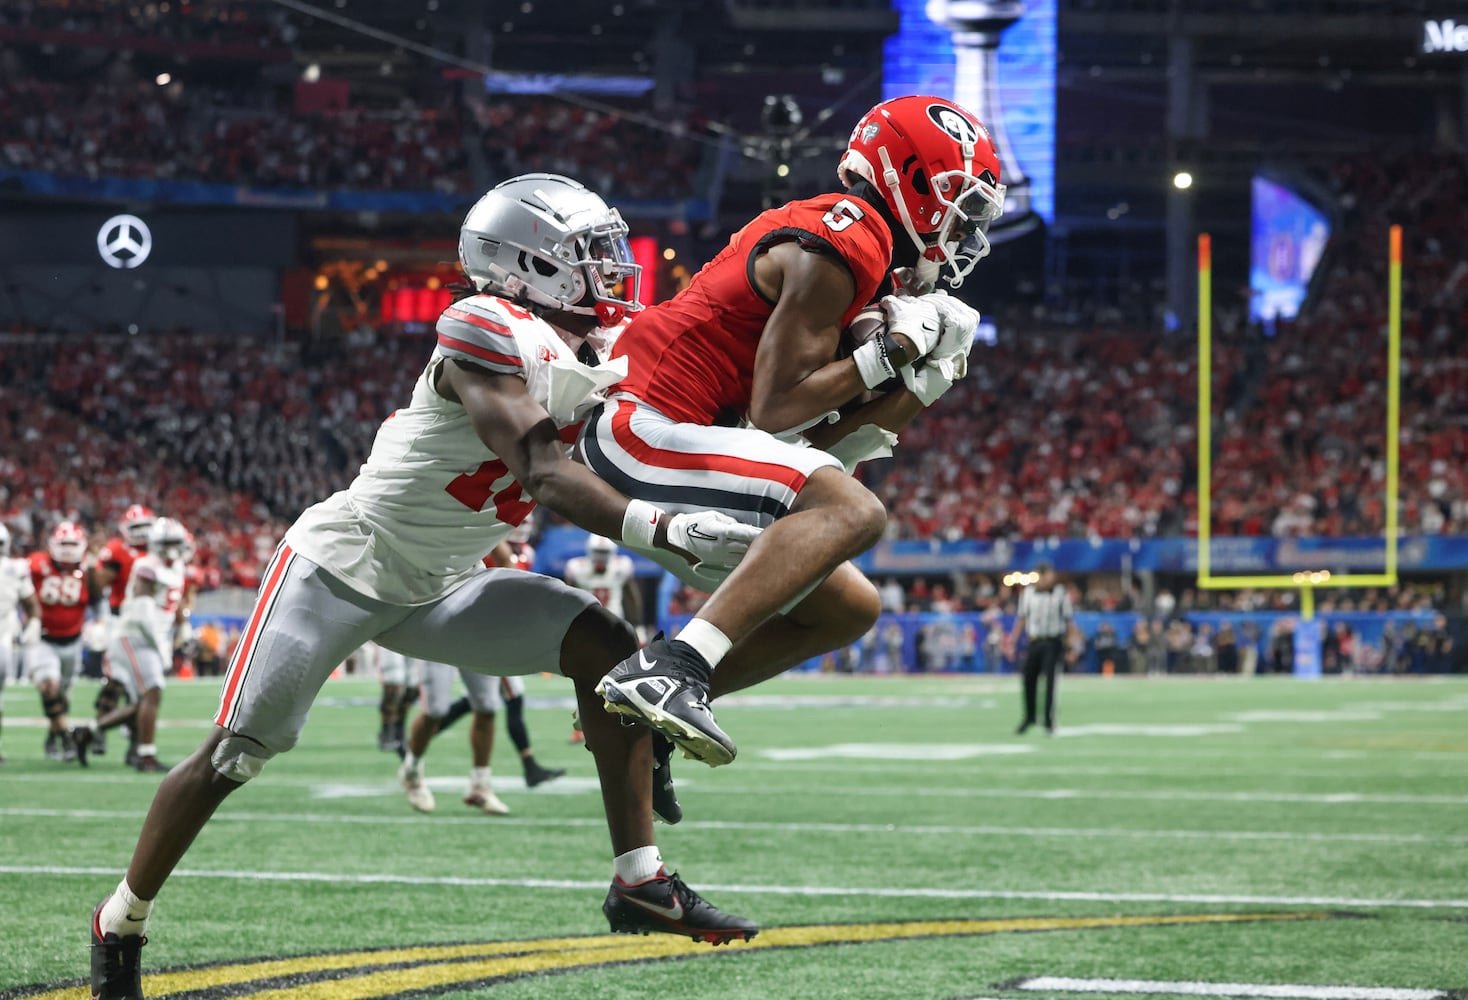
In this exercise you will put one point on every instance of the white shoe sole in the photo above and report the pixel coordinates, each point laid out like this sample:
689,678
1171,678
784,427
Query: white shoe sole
695,744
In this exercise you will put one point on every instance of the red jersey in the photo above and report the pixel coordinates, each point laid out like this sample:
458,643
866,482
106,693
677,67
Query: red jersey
118,553
62,592
692,358
524,556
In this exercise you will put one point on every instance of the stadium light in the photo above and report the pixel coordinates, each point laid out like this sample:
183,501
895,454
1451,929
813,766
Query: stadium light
311,73
669,253
163,79
783,170
1182,180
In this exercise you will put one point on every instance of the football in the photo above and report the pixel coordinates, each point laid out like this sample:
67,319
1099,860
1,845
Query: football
868,323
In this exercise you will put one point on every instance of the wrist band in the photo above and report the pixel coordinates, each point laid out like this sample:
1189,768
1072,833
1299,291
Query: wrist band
873,361
640,524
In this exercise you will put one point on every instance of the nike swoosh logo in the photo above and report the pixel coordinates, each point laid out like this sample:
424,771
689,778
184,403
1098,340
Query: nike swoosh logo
693,532
674,912
644,662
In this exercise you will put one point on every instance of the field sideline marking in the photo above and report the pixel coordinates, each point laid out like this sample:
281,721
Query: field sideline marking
770,890
1199,989
779,827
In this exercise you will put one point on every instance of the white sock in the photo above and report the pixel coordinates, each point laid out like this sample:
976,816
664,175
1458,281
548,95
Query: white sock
124,913
710,643
413,764
147,749
638,865
479,776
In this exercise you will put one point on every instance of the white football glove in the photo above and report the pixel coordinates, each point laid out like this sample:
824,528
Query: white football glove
959,324
931,380
30,633
915,319
712,538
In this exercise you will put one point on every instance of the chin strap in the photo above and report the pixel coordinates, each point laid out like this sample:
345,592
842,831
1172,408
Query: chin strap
893,180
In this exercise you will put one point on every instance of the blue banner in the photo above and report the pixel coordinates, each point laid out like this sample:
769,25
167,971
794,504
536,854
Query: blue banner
1231,555
159,192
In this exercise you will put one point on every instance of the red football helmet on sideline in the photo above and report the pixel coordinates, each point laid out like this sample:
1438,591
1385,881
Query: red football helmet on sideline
68,544
135,524
938,170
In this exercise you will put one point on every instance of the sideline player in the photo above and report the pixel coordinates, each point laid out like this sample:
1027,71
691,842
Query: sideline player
109,576
610,577
391,668
17,593
752,339
515,552
437,683
396,557
52,664
141,650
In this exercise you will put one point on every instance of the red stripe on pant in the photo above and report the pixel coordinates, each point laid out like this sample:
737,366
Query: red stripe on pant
132,661
247,642
662,458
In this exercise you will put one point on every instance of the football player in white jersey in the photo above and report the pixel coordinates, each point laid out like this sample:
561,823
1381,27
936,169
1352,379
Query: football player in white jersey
396,557
17,593
141,650
608,574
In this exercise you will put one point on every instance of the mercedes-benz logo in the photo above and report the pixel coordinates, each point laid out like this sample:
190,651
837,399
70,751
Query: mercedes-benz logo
124,241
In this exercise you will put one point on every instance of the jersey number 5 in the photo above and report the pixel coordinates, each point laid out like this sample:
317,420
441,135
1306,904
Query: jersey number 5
841,215
475,489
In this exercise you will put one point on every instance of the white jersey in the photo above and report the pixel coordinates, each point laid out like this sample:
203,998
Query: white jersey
151,617
432,500
606,585
15,586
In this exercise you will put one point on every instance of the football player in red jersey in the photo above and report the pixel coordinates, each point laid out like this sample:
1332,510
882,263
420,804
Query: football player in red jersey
754,339
61,586
110,575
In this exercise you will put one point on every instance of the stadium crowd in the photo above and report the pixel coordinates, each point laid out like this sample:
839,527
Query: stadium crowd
114,128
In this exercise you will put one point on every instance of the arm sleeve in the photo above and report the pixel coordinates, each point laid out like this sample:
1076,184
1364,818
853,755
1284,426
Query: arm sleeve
475,332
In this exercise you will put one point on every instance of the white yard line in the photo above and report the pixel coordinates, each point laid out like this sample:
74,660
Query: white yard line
888,892
909,790
1279,991
863,829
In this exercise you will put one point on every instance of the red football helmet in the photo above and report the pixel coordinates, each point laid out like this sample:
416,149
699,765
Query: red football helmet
68,544
938,170
135,524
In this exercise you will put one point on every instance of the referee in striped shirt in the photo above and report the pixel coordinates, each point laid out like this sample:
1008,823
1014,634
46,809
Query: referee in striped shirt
1045,612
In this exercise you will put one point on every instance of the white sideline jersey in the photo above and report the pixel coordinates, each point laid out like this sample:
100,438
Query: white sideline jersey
15,586
150,617
607,585
432,499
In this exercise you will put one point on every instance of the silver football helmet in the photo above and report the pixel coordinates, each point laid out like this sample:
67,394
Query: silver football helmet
545,240
167,539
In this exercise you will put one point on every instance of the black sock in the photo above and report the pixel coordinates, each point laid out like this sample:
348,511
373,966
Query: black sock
515,723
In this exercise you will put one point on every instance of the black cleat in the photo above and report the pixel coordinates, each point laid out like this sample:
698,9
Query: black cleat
664,799
665,685
117,973
664,904
99,743
53,745
537,774
83,738
68,747
1023,728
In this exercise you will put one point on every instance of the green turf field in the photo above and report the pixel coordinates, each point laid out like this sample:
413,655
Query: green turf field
892,836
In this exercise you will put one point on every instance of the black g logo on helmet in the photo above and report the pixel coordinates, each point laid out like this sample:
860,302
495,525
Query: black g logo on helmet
953,122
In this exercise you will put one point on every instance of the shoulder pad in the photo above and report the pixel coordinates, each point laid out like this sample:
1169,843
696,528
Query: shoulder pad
474,330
